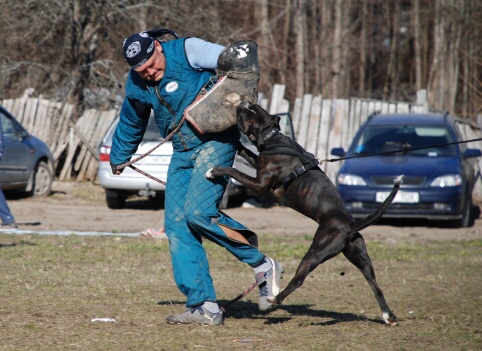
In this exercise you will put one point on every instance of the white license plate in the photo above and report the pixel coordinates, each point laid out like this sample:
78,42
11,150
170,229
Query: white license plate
404,197
154,160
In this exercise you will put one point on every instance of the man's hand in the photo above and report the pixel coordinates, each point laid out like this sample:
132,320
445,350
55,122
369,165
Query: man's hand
115,171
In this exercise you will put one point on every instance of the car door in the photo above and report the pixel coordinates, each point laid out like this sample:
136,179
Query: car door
15,160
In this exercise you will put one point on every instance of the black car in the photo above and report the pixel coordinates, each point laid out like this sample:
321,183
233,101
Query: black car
438,178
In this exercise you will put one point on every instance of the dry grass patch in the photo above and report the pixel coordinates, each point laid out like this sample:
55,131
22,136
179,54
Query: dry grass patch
52,287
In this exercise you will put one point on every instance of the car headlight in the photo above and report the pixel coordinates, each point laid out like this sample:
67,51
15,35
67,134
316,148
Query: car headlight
447,180
351,179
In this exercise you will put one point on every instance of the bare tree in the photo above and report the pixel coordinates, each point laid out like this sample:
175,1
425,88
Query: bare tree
300,47
70,49
417,44
363,49
443,79
337,41
391,82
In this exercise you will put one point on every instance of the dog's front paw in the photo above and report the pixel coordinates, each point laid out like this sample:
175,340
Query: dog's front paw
390,318
209,174
214,172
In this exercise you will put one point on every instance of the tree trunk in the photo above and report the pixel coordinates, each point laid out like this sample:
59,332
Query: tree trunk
443,80
391,83
363,50
345,81
337,40
326,49
299,49
264,45
417,45
283,53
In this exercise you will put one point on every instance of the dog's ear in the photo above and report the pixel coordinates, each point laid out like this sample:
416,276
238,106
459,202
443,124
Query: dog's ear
278,119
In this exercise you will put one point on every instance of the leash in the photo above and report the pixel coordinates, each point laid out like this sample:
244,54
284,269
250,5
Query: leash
131,162
309,161
243,294
398,151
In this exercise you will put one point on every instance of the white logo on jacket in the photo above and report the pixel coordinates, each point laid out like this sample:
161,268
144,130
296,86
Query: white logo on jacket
172,87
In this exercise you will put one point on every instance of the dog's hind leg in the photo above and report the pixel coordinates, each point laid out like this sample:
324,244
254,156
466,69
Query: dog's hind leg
324,247
356,252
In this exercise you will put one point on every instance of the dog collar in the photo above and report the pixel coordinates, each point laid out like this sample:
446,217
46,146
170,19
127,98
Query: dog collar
271,133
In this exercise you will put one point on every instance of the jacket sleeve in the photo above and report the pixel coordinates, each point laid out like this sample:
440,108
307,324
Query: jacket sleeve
202,54
129,132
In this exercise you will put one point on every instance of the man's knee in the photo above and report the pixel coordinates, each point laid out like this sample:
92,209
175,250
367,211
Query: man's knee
198,220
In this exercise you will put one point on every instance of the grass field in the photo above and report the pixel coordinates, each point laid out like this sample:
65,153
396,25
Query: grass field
51,288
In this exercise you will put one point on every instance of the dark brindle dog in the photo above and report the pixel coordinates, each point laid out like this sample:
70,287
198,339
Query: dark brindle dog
297,181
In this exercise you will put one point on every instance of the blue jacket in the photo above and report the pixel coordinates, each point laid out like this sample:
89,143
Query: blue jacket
179,87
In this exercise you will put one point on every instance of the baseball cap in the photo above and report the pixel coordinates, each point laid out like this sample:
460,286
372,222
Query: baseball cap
139,47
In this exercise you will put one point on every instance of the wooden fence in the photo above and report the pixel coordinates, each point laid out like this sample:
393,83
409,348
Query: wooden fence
319,125
74,145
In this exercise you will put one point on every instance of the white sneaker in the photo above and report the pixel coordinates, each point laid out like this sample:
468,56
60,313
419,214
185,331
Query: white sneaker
196,315
269,285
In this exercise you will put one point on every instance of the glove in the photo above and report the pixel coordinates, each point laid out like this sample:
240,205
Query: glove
116,171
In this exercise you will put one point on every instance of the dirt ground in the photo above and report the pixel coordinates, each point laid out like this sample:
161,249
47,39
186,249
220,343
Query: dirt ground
75,206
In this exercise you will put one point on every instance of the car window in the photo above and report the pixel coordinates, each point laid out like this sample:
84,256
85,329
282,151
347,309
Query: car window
379,139
7,126
285,125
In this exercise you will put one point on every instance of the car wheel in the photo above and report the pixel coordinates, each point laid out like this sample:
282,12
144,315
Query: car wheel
43,179
466,220
115,199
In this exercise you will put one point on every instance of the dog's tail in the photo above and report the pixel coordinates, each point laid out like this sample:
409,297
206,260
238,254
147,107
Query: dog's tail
372,218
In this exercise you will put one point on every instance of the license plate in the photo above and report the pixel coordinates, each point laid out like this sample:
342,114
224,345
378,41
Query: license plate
154,160
404,197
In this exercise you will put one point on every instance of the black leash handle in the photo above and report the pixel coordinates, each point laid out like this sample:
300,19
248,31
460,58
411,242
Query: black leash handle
398,151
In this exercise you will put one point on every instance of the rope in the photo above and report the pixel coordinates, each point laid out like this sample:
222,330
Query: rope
243,294
397,151
131,162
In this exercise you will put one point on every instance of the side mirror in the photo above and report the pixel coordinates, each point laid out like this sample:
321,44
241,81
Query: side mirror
338,151
471,153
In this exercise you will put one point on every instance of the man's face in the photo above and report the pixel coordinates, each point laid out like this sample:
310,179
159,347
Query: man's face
154,68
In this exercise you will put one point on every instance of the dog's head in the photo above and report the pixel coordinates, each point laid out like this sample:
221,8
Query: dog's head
256,122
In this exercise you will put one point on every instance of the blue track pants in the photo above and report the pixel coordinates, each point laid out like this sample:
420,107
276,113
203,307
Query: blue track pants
191,214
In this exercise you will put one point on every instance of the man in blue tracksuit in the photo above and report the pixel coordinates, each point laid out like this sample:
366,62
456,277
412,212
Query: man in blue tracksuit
165,78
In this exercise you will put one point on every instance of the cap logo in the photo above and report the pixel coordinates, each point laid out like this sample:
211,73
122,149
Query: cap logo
133,49
151,47
172,87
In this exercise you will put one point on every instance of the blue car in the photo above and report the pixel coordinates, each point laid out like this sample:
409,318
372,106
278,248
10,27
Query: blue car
438,178
27,164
